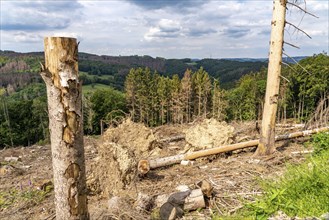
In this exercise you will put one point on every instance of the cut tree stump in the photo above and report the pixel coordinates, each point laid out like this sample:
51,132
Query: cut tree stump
61,76
194,201
165,161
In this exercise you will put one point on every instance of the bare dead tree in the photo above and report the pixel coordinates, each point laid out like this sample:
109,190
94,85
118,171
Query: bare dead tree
267,139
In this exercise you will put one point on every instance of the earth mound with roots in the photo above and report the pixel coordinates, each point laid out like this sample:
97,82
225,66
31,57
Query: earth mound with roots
120,150
209,133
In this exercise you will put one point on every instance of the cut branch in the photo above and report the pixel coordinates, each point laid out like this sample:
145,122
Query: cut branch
297,28
165,161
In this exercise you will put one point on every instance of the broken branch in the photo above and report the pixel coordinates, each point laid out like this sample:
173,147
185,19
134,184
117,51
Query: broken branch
296,63
292,45
297,28
302,9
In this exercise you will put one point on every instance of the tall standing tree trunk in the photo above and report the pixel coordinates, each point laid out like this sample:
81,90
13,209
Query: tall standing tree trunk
266,144
66,127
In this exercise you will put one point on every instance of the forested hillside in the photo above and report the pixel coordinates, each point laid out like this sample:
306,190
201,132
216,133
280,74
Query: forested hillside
111,70
155,91
155,99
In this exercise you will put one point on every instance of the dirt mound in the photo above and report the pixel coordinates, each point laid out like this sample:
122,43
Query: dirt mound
209,133
120,150
133,135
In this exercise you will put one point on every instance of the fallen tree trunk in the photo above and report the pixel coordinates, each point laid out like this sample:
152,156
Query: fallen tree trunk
172,139
165,161
290,125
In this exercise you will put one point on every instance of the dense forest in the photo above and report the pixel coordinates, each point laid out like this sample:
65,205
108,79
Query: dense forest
155,91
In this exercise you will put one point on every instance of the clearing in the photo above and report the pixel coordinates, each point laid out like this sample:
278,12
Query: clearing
26,190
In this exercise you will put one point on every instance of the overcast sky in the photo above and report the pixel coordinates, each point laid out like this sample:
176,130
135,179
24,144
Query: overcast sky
163,28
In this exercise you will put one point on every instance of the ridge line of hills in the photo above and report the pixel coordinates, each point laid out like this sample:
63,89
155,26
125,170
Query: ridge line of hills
112,70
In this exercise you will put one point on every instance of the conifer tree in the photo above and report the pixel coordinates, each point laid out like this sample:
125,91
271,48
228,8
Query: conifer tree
130,89
163,96
141,78
202,89
218,103
176,104
186,95
154,99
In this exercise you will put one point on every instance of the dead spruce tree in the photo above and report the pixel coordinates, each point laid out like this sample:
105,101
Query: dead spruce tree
266,143
267,139
60,74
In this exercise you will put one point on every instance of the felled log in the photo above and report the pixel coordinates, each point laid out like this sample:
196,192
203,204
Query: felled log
172,139
290,125
301,152
165,161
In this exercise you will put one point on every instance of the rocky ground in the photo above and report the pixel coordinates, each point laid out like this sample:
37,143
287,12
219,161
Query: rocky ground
26,190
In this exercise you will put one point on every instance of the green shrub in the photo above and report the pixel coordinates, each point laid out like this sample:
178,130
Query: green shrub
320,143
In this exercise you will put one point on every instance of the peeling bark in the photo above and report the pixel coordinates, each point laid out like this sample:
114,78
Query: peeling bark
66,127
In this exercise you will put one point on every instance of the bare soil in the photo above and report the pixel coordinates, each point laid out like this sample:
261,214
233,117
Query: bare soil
235,177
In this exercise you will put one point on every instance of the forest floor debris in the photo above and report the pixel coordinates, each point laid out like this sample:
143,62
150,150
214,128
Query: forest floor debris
234,176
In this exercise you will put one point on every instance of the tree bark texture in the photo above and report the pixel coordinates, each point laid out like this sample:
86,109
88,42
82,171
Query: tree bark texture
66,127
266,143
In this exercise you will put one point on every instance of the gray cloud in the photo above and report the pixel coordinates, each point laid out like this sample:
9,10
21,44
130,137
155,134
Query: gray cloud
165,28
236,32
27,37
50,6
157,4
266,32
35,26
38,15
198,32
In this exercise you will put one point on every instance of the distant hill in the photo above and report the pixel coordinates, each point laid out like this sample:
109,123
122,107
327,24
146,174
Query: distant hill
285,59
112,70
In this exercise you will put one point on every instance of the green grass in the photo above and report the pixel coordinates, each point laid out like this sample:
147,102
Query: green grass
94,87
15,196
303,190
109,77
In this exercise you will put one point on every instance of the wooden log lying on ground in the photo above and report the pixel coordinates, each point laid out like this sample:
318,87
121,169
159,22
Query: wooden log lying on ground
290,125
165,161
172,139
